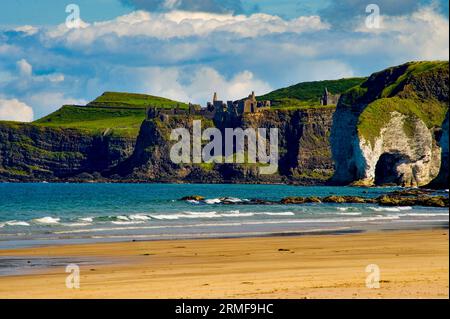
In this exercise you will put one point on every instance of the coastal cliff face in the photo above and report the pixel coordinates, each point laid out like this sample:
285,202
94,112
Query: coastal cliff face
30,152
304,146
33,153
442,180
305,154
388,129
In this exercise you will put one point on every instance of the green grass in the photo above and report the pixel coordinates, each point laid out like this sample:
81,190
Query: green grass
121,122
294,104
314,174
414,68
308,94
115,113
381,98
14,171
378,114
353,95
133,100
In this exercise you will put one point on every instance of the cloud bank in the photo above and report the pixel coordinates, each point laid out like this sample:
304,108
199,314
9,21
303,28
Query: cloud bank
14,110
187,55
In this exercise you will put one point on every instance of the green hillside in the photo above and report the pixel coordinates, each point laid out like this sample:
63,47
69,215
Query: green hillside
113,113
133,100
307,94
415,89
124,122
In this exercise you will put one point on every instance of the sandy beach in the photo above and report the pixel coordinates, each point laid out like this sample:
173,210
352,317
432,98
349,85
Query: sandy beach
413,264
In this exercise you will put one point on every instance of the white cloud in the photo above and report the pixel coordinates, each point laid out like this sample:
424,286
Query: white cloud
25,68
14,110
200,85
9,50
187,56
27,29
424,33
181,24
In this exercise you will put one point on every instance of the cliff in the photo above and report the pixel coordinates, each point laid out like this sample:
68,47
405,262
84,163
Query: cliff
305,154
33,153
92,144
388,130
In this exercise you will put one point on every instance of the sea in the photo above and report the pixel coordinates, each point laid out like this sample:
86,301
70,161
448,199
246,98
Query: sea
37,214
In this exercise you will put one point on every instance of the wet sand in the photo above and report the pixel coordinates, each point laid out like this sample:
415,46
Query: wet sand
413,264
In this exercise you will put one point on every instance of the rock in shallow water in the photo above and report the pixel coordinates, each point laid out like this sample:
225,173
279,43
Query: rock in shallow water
193,197
392,199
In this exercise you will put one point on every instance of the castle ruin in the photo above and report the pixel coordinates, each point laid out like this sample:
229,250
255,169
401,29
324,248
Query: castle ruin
328,98
216,109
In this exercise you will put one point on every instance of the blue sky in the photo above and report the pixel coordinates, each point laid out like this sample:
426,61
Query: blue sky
41,12
185,49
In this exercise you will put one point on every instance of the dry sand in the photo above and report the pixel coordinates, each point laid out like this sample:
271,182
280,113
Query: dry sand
413,264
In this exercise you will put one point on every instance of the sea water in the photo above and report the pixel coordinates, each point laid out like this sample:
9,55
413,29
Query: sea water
46,213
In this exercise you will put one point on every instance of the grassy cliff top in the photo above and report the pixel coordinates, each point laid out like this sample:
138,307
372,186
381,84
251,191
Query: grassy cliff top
308,94
123,122
134,100
415,89
115,113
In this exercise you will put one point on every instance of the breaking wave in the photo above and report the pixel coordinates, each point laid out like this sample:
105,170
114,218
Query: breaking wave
391,209
47,220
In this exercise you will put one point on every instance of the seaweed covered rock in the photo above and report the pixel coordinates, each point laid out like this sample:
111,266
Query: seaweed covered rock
300,200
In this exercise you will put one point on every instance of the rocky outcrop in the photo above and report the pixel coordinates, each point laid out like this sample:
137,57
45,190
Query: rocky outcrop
305,154
393,199
399,159
30,152
385,131
442,181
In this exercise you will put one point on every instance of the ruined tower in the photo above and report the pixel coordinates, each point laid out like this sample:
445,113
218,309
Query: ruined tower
328,98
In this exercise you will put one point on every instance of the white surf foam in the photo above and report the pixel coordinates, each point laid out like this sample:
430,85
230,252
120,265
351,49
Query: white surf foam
139,217
213,201
126,222
47,220
201,215
233,199
390,209
237,215
166,216
278,214
14,223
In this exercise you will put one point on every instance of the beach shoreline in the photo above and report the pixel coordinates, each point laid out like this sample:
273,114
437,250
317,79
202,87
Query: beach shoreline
412,264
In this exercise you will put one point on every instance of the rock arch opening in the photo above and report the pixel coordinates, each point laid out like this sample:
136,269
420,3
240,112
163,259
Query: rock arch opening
386,171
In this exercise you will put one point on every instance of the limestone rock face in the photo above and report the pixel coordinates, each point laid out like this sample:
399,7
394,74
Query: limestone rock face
399,159
389,131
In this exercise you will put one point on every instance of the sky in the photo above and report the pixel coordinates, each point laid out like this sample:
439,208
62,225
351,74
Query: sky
187,49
